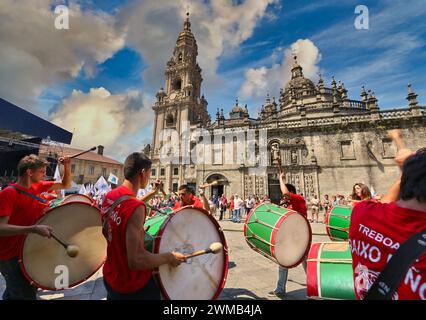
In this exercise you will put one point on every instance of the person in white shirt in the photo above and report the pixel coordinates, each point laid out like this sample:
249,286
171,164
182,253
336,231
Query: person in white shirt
250,203
238,207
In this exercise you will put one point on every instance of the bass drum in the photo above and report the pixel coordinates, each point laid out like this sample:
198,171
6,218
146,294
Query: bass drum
186,230
329,272
281,235
42,259
337,221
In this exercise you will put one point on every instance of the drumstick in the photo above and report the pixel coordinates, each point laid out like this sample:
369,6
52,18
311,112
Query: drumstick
163,192
72,250
156,210
83,152
209,184
214,248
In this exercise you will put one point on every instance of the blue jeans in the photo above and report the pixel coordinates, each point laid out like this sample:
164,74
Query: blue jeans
149,292
17,286
236,215
282,277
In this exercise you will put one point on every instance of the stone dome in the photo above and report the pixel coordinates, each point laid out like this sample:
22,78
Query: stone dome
298,82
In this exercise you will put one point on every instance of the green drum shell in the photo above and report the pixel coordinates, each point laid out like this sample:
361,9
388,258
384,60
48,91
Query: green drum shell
54,203
329,271
152,226
260,234
337,222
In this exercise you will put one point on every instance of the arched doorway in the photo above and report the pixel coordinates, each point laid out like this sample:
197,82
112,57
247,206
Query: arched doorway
219,188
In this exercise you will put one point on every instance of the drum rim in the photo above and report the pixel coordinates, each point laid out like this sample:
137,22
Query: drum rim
273,234
312,277
80,195
22,266
156,246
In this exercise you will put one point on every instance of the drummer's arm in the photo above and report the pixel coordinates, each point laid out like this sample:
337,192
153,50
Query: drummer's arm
157,186
67,178
393,192
206,203
146,198
8,230
283,188
138,257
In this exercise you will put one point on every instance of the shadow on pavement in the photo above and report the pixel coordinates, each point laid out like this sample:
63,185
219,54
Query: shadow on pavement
238,294
299,294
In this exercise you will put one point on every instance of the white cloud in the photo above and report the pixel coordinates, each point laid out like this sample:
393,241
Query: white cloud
219,26
260,80
99,117
34,54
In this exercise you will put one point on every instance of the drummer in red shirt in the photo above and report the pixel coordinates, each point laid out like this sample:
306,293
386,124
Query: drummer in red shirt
187,198
20,208
128,267
377,229
290,199
295,202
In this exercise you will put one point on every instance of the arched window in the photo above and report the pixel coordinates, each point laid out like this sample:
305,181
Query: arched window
180,57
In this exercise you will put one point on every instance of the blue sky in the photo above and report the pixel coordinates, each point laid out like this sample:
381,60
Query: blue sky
385,58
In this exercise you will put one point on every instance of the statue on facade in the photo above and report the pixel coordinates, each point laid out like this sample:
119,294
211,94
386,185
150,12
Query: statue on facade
293,157
275,153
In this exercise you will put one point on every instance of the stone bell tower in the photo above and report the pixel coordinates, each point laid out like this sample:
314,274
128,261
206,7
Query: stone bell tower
179,101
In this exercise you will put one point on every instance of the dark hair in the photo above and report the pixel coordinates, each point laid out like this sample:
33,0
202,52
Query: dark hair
186,188
413,180
365,192
32,162
134,163
290,187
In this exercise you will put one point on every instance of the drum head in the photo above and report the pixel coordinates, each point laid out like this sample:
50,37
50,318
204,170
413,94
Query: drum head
77,197
292,240
200,278
45,262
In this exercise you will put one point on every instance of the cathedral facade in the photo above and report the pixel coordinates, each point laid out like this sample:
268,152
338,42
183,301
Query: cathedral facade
325,141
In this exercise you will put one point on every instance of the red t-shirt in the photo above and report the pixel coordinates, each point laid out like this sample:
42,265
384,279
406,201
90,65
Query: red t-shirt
116,269
376,231
22,210
298,204
196,202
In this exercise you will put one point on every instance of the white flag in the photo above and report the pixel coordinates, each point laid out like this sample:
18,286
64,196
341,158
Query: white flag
113,178
82,190
58,178
101,184
57,175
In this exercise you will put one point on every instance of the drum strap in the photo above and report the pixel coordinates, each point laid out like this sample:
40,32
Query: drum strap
44,201
109,213
391,276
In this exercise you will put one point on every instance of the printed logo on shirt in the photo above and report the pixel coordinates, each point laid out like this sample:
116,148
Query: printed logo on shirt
364,280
